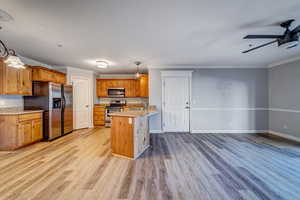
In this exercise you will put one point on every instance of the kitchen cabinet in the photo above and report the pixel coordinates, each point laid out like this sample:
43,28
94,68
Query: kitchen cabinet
99,115
18,130
47,75
102,88
144,85
24,133
15,81
25,78
37,133
133,87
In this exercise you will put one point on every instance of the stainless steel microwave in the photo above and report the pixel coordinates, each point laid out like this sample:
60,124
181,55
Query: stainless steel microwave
116,92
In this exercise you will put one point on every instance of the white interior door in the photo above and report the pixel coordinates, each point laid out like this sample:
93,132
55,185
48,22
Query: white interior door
176,104
82,101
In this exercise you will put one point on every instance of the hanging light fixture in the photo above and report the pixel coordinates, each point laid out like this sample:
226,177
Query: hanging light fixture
10,57
137,63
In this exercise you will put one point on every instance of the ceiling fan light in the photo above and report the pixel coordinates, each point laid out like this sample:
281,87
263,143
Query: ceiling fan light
102,64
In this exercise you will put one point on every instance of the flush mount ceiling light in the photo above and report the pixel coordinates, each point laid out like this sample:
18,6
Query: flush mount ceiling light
5,17
10,57
137,63
102,64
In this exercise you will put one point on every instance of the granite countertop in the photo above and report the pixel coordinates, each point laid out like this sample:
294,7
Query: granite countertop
134,114
17,111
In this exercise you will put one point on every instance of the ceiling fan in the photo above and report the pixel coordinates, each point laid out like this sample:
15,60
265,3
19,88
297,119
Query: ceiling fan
289,39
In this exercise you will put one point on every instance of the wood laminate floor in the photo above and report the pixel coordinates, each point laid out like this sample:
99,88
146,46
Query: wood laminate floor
177,166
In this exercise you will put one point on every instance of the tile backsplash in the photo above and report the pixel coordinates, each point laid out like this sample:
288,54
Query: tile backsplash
128,100
7,101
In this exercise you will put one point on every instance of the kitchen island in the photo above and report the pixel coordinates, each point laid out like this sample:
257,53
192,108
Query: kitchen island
130,132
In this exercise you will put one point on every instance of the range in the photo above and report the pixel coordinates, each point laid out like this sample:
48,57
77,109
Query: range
114,106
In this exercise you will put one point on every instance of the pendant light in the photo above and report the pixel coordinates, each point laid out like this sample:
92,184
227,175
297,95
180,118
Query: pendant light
10,57
137,63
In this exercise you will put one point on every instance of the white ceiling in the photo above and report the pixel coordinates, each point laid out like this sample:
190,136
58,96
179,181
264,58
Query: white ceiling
161,33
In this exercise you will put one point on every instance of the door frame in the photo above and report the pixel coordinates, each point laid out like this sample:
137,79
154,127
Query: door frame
176,73
90,96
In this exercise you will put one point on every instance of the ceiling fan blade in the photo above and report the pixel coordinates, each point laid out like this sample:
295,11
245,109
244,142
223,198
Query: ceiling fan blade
262,36
296,30
292,46
263,45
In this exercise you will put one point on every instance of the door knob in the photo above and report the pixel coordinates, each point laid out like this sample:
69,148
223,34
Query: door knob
187,107
86,106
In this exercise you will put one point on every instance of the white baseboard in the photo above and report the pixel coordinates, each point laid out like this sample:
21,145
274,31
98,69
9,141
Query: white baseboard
283,135
229,131
156,131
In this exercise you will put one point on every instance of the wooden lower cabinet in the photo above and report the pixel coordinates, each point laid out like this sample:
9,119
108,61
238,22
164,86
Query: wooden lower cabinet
37,127
24,133
129,136
20,130
99,115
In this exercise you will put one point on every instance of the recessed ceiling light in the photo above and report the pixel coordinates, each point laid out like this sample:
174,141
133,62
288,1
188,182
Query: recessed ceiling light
102,64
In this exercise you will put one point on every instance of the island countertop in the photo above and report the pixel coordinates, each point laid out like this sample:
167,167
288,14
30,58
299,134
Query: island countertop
135,113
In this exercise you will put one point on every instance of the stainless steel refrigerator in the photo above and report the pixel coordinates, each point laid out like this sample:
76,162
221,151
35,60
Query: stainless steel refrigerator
67,109
56,101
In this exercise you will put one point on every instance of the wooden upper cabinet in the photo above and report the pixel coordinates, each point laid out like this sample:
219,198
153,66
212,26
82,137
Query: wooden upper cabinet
130,91
133,87
101,88
25,81
144,85
15,81
11,77
47,75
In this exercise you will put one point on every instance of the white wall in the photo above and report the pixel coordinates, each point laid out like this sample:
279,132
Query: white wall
14,100
230,100
155,91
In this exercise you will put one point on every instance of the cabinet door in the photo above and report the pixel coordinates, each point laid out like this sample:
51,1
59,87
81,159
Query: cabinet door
45,75
37,132
101,88
144,86
11,83
25,81
130,92
24,133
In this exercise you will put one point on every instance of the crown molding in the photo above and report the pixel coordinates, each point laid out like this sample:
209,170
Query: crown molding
187,67
290,60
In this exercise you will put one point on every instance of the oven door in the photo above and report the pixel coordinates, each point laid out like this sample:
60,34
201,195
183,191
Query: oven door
109,110
116,92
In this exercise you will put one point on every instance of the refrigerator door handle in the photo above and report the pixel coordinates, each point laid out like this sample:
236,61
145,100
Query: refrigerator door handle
63,101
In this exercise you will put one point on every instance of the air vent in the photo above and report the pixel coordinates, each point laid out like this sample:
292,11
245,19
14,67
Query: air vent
5,17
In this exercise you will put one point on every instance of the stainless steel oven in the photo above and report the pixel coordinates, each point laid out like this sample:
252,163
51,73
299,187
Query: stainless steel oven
115,106
116,92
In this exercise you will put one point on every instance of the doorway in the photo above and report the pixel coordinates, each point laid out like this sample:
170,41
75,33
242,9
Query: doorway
176,98
82,102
